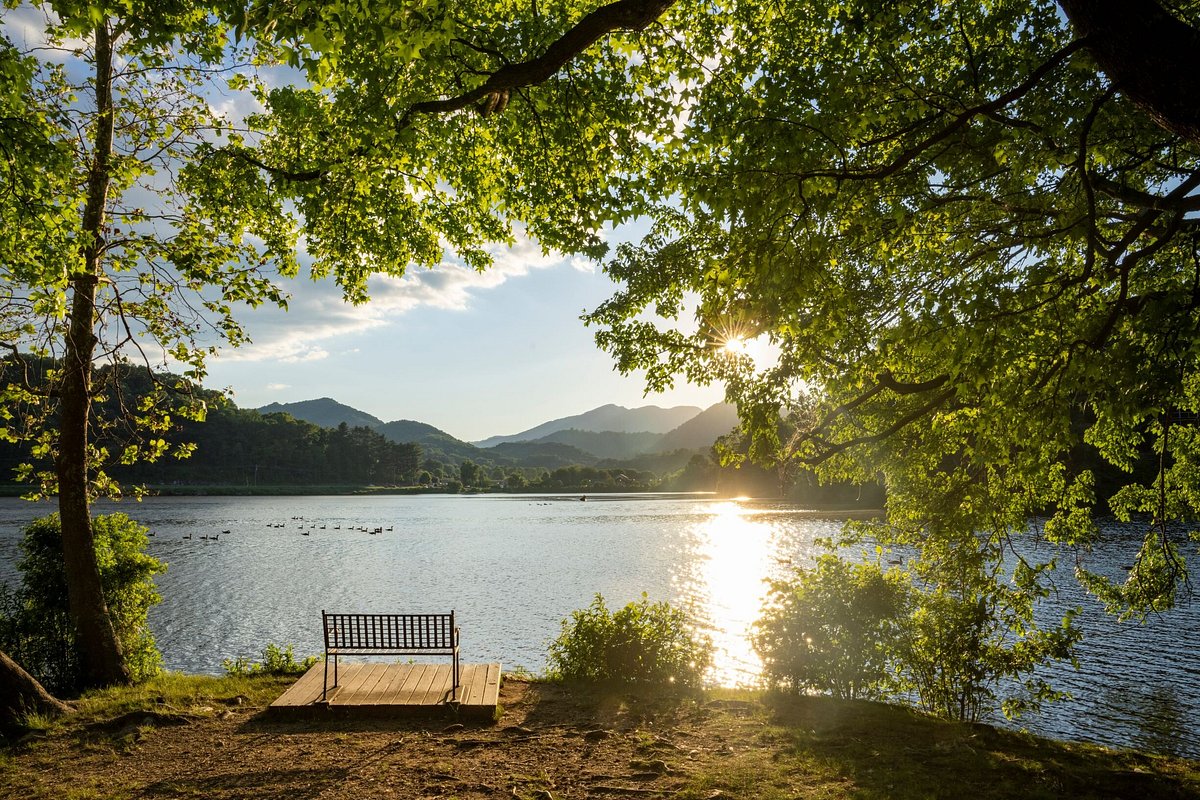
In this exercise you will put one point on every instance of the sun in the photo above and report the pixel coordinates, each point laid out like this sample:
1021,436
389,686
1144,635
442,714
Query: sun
735,346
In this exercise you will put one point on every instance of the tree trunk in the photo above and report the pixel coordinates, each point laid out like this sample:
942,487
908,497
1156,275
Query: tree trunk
100,651
20,694
1151,56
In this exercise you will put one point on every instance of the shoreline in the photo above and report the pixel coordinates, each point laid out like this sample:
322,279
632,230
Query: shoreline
568,493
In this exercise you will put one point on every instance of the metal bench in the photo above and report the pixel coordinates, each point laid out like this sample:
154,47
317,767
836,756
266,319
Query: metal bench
389,635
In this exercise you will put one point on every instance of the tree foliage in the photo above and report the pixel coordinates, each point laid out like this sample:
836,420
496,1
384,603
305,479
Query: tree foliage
142,207
976,257
956,636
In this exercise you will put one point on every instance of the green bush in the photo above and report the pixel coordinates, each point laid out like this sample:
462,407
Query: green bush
643,643
971,648
833,628
959,642
276,660
35,623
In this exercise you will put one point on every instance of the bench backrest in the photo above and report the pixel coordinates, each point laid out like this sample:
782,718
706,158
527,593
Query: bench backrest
389,632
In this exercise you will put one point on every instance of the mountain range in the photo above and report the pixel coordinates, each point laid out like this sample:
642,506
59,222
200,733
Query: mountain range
610,433
605,419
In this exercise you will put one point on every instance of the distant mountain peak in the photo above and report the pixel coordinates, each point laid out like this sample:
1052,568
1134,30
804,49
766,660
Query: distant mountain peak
324,411
703,429
606,418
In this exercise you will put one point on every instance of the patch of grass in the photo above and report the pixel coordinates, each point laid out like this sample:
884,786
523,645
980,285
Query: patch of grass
741,695
182,693
520,673
37,723
814,748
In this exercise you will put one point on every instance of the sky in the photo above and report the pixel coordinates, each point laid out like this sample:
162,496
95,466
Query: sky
473,354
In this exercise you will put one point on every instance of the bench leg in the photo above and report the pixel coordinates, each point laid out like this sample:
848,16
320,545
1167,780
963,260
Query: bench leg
325,683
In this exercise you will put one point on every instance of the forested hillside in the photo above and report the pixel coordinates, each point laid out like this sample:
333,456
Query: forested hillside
246,451
245,448
324,411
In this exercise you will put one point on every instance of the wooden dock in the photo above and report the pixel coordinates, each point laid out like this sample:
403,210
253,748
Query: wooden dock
392,690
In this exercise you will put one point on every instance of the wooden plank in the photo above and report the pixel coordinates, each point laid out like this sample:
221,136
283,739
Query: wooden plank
345,671
479,685
445,683
347,677
491,691
370,677
409,695
474,695
371,687
352,692
404,696
410,674
302,691
468,678
423,695
388,687
351,682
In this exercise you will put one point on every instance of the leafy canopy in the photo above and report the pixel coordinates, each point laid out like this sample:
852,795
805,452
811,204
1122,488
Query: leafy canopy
977,259
254,143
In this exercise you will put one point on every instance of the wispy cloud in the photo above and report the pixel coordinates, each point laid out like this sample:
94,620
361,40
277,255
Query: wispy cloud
25,26
317,314
583,265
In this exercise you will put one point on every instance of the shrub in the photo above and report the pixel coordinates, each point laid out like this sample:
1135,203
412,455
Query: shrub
971,647
833,628
35,623
960,642
643,643
276,660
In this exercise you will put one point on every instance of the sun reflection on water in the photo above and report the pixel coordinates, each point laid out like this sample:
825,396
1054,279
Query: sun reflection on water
735,551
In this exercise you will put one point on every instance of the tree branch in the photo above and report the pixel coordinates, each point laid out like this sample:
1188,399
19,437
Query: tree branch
633,15
960,120
1150,55
25,383
830,450
1141,199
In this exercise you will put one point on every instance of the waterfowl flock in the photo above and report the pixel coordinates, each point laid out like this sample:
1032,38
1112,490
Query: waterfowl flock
304,526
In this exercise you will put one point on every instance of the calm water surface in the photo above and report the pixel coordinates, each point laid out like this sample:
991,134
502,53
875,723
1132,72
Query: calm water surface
513,566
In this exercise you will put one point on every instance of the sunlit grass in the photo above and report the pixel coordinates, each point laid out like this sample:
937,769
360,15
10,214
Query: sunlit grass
194,694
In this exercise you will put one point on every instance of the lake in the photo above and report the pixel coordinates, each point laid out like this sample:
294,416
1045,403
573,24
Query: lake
513,566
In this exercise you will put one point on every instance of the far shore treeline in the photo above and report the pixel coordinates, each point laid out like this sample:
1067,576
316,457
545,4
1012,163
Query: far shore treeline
242,451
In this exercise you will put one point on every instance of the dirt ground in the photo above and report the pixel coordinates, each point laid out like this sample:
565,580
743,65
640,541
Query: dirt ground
547,744
199,738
